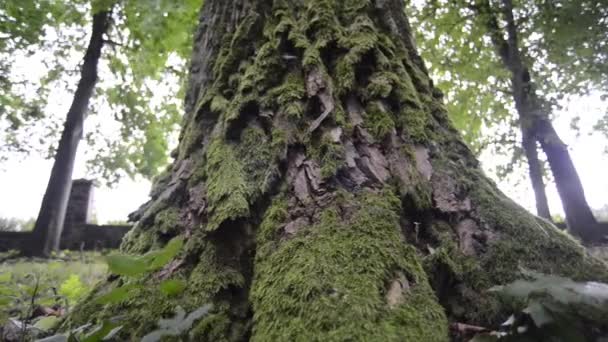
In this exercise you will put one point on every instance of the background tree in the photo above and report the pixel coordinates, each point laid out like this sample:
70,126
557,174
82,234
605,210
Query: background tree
13,224
533,53
148,68
49,224
319,192
137,64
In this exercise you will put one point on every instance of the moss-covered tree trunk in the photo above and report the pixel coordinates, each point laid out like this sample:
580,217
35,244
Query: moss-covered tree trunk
322,193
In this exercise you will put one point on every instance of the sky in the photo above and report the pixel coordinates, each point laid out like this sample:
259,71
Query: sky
23,181
587,149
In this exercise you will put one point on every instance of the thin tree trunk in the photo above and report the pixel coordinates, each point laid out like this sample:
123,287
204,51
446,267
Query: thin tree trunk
322,193
49,224
579,216
536,174
536,123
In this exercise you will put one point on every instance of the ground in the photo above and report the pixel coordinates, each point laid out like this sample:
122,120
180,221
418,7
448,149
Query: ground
39,290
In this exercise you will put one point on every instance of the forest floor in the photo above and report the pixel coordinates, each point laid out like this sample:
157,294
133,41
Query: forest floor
35,293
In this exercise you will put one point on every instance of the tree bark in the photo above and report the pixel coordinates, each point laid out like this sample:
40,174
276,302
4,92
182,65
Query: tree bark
49,224
536,174
535,124
322,193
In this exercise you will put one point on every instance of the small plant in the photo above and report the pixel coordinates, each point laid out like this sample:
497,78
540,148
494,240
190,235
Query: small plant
558,309
137,266
36,293
133,268
177,325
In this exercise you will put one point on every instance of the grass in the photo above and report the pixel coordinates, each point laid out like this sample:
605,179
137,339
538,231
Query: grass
53,285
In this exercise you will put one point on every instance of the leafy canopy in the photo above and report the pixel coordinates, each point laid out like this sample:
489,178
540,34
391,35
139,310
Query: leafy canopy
563,42
137,105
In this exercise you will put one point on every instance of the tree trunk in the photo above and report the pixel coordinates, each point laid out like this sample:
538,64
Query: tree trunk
49,224
536,174
579,216
535,124
322,193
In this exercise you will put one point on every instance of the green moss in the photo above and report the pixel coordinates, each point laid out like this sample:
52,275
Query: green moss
219,103
289,95
167,221
521,240
214,327
546,248
414,123
329,282
380,85
237,173
330,155
378,120
358,38
138,240
208,276
227,190
258,155
140,313
269,228
235,48
190,136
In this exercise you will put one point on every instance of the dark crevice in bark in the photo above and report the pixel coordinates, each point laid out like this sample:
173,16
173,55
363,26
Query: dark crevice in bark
250,112
235,249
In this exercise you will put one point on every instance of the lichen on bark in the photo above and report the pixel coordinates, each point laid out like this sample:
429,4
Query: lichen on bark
322,191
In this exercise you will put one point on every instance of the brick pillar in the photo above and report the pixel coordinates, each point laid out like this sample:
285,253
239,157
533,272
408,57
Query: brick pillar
80,205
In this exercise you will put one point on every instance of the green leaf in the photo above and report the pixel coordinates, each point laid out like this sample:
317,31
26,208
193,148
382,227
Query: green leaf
4,301
178,324
47,323
5,277
117,295
158,259
172,287
73,289
126,265
7,291
105,330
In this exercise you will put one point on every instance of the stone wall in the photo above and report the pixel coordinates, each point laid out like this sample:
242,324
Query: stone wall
93,237
14,241
78,233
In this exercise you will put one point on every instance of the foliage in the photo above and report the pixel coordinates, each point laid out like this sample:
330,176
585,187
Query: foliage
142,70
137,266
602,213
128,265
562,42
26,285
16,225
57,284
557,309
177,325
